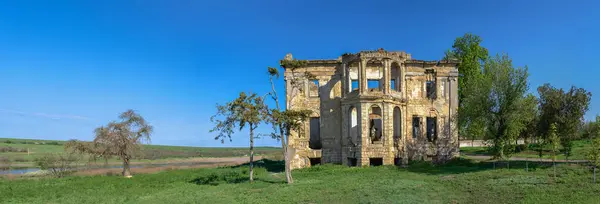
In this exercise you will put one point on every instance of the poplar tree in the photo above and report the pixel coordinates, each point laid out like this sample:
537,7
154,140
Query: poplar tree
245,111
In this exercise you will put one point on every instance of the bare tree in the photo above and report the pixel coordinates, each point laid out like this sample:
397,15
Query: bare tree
122,139
246,110
58,164
94,150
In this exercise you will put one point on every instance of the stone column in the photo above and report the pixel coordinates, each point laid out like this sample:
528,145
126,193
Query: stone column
402,81
345,80
386,76
404,116
362,76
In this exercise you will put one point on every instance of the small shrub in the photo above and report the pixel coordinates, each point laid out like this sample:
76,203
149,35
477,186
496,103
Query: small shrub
4,163
12,149
53,143
59,165
21,159
8,142
520,148
217,178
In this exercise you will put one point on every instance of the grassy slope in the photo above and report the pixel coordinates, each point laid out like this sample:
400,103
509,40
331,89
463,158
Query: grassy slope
461,182
152,152
580,149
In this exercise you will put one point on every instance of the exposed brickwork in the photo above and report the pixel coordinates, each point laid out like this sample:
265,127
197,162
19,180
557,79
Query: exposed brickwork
345,139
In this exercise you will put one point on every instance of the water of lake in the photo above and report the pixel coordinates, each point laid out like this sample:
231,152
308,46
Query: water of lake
27,170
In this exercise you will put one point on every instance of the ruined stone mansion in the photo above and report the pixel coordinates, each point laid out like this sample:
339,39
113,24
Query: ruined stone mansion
373,108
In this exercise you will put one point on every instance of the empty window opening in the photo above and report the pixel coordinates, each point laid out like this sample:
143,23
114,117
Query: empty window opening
397,125
352,162
315,161
354,85
431,128
353,131
430,89
314,88
373,84
315,133
416,123
375,161
395,78
375,125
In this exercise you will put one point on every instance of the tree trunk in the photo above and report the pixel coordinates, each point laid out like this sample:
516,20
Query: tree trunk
251,153
288,172
554,167
126,169
284,140
594,174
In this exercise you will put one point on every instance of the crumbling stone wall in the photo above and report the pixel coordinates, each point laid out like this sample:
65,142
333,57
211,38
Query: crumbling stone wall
336,98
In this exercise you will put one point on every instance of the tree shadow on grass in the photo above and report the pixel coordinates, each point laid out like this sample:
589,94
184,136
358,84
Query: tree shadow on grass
462,165
270,165
216,179
239,174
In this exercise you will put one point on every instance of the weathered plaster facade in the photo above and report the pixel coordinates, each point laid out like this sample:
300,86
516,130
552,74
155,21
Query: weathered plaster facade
373,108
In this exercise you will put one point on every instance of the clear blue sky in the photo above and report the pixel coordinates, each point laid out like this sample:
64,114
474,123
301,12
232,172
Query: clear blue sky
67,67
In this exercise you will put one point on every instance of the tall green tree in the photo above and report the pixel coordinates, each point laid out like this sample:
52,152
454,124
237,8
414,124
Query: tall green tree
565,109
285,122
531,117
122,139
468,50
594,152
246,110
497,102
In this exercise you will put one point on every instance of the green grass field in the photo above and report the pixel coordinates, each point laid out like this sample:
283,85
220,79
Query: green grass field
579,152
37,148
462,181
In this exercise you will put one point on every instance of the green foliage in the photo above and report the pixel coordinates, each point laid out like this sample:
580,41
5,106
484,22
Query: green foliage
531,117
293,63
580,151
594,152
563,108
244,110
498,106
221,177
553,140
468,50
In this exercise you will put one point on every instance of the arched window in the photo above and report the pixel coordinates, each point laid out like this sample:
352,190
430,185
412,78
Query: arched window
375,124
397,126
395,78
353,126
